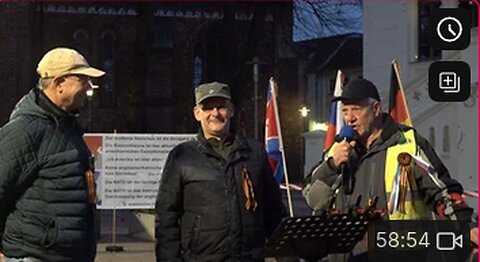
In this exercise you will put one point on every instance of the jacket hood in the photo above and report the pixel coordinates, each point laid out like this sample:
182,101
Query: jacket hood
37,104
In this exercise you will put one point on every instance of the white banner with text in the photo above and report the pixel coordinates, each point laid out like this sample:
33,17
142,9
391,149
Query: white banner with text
128,167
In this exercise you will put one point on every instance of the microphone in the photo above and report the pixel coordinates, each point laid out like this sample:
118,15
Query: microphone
347,133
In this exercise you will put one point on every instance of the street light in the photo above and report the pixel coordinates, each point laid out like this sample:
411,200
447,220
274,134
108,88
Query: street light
304,112
89,93
89,98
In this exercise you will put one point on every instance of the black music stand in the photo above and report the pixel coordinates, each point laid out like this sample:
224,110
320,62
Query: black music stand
315,237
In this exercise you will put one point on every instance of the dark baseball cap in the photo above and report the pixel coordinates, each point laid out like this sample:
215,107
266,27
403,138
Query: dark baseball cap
209,90
358,89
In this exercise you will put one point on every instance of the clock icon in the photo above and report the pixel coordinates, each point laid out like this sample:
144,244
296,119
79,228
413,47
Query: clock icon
449,29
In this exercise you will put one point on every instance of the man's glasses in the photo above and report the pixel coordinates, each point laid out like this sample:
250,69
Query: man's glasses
210,107
80,78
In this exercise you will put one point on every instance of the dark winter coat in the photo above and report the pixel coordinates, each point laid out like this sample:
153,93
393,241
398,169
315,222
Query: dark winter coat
367,168
44,208
200,207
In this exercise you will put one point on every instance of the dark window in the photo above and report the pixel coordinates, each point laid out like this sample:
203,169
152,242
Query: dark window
326,99
81,42
162,34
197,71
425,51
160,80
472,8
331,88
108,64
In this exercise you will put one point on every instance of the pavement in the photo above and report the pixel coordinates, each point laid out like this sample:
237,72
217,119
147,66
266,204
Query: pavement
138,250
134,250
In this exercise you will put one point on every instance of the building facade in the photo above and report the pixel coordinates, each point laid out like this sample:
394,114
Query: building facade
154,55
399,30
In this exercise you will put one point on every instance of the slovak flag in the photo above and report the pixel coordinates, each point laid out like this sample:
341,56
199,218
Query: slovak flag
335,121
273,137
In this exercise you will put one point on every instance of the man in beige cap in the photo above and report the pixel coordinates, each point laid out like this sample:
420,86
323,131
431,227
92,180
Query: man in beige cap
218,199
47,190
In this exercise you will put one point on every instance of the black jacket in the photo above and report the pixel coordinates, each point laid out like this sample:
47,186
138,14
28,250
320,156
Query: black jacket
200,207
368,171
44,209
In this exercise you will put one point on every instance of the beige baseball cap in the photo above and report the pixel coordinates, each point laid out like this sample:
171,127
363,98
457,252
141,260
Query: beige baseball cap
65,61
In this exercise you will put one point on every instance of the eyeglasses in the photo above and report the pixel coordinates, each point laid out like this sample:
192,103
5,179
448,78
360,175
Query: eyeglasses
80,78
210,107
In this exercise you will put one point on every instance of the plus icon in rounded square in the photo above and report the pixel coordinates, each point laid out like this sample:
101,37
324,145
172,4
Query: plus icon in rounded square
449,81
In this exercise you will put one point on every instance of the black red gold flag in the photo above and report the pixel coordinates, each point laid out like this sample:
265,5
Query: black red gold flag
398,108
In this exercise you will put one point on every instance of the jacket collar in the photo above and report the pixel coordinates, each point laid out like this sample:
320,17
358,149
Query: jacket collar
38,104
390,135
240,148
45,103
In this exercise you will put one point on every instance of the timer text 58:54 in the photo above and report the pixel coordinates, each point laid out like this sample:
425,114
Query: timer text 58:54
401,240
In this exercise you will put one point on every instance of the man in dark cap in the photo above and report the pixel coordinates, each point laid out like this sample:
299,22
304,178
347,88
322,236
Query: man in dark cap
218,199
373,161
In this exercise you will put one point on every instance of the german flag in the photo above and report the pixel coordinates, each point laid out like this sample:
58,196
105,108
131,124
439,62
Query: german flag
398,108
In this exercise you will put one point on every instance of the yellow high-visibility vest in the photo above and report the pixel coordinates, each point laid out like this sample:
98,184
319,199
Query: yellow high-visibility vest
414,208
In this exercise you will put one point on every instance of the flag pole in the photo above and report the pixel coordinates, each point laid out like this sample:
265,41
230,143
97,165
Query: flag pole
280,142
396,69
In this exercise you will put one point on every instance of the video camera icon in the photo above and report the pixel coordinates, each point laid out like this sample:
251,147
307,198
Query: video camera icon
447,241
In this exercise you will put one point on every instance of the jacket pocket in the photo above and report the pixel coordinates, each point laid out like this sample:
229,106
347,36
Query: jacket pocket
194,235
51,234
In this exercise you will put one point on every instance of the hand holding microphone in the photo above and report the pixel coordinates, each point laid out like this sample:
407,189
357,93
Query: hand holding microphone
342,153
345,146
